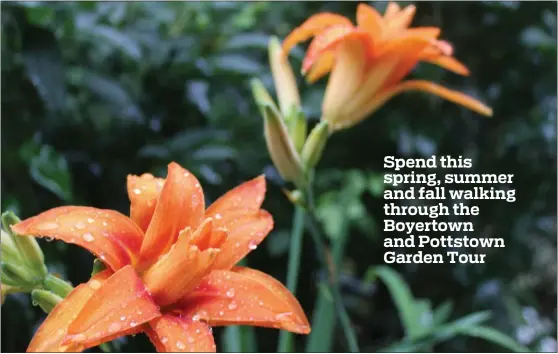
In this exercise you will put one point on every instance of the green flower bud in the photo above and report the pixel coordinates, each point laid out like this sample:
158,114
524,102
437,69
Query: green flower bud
28,247
281,148
298,129
314,146
57,285
261,96
98,266
45,299
14,275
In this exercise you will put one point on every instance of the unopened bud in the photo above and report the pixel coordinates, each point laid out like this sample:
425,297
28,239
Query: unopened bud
45,299
57,285
14,275
314,146
296,197
284,79
261,96
28,247
281,148
298,129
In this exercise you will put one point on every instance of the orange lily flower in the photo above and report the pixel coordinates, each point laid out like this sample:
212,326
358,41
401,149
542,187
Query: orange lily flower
170,268
368,61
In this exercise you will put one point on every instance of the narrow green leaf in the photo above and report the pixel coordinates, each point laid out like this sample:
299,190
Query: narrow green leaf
494,336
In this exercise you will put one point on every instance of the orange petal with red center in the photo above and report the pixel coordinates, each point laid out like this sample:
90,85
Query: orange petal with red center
245,296
330,38
180,205
108,234
118,307
369,19
311,27
248,195
143,192
245,230
181,269
55,326
171,333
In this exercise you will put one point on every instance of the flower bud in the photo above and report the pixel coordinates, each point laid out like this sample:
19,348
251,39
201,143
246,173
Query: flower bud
57,285
98,266
284,79
45,299
298,130
28,247
10,253
261,96
296,197
281,148
314,146
15,275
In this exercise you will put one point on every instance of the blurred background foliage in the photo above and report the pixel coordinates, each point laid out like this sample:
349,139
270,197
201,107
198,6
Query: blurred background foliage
93,91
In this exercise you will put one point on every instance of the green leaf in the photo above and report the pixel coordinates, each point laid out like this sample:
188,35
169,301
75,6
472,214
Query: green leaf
403,299
494,336
450,330
278,243
323,323
237,64
442,312
50,170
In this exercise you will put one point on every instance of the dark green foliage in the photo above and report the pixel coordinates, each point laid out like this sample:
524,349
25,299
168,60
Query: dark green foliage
94,91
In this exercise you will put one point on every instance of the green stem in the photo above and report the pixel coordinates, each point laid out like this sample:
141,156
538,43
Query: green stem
333,284
295,248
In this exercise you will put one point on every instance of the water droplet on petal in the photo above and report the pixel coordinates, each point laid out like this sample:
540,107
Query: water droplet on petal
252,245
232,305
105,223
90,220
180,345
198,331
221,313
122,318
237,244
164,340
196,317
87,237
261,303
218,216
133,324
191,340
78,337
114,327
48,226
80,225
94,284
230,292
137,191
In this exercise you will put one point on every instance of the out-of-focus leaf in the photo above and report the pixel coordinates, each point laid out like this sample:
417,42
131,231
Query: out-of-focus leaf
50,170
98,33
237,64
494,336
44,67
442,312
278,243
197,92
248,41
214,153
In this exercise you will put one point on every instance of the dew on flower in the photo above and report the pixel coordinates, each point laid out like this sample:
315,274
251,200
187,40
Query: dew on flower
237,244
105,223
137,191
90,220
230,292
87,237
80,225
122,318
253,245
221,313
180,345
94,284
164,340
133,324
191,340
114,327
232,305
218,216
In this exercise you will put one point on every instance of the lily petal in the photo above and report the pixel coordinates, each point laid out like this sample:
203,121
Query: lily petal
427,86
321,67
245,296
55,326
108,234
143,192
448,63
248,195
181,269
181,204
245,230
369,19
170,333
311,27
401,21
118,307
330,38
391,11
